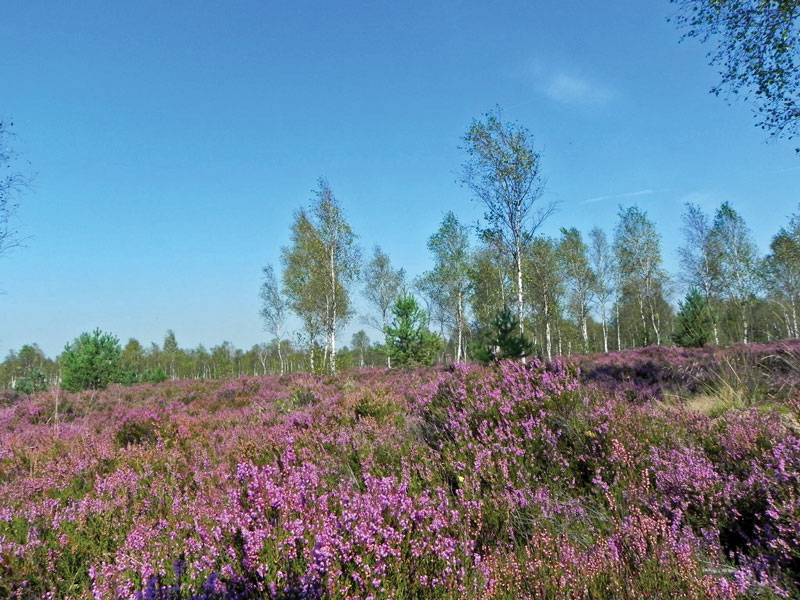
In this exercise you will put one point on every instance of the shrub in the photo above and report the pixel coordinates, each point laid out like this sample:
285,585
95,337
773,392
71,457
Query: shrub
136,432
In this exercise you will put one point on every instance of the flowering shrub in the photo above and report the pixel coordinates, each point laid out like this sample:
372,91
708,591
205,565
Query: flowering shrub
501,482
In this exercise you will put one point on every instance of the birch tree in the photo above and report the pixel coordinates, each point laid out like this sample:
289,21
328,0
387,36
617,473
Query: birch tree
341,257
449,278
303,281
738,263
756,51
545,286
274,310
601,259
783,268
503,172
637,247
360,343
701,261
490,286
579,278
383,285
11,181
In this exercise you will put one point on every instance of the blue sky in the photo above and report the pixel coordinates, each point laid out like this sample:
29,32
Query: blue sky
172,141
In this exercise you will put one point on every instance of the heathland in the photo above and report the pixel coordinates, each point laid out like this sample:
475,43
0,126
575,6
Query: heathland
649,473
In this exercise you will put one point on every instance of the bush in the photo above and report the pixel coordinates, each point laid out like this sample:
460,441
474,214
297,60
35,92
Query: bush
135,432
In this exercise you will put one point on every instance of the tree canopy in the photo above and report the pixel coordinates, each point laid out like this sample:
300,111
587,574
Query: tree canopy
757,51
90,362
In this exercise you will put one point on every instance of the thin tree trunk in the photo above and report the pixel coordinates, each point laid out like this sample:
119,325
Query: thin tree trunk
655,325
519,292
560,339
744,323
388,356
520,307
459,319
644,323
332,333
547,335
619,338
585,332
605,328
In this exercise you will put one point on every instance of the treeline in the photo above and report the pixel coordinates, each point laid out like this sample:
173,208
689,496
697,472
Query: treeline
575,292
30,370
504,285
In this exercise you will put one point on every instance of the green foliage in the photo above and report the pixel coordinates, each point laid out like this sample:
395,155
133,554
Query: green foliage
90,362
503,341
156,375
756,52
35,380
409,342
694,326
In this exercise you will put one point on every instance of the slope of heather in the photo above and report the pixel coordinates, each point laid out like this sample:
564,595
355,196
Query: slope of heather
512,481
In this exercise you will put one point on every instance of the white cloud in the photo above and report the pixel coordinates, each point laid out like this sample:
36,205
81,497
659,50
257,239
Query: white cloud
619,196
568,89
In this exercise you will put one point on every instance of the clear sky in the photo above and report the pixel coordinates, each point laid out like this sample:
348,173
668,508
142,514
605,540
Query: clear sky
172,141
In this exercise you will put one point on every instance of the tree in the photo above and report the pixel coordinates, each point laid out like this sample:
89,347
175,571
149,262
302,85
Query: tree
383,284
223,362
274,310
342,259
544,283
131,365
30,364
11,181
320,265
303,280
579,277
448,282
503,171
601,259
407,338
701,260
360,343
758,52
34,380
170,351
694,325
90,362
637,246
783,272
503,341
739,262
490,286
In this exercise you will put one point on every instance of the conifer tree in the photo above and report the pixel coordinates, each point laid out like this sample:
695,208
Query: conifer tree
694,325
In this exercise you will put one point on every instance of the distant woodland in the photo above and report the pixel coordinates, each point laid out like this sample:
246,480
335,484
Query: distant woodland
577,292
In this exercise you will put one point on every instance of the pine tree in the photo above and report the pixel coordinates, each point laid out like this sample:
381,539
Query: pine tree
408,340
694,325
503,341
